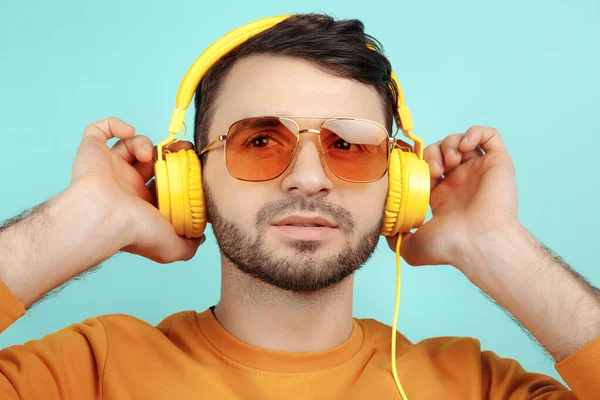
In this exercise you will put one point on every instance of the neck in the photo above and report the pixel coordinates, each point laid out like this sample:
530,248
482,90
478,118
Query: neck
265,316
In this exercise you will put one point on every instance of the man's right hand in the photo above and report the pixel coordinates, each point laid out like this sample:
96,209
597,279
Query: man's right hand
118,177
106,208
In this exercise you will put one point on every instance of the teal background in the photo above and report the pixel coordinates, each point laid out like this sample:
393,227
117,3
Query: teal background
528,68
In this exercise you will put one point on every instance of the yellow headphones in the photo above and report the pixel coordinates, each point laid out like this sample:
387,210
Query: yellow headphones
179,183
178,177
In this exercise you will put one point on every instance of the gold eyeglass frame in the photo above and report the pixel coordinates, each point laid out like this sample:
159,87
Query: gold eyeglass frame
392,141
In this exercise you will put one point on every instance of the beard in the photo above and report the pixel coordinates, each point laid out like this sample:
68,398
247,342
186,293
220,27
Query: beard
304,271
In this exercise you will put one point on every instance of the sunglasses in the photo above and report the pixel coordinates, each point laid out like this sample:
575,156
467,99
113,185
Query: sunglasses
262,148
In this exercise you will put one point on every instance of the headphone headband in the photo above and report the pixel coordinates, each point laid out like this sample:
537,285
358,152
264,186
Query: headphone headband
224,45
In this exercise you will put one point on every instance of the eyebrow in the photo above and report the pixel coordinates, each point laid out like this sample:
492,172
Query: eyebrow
255,122
264,120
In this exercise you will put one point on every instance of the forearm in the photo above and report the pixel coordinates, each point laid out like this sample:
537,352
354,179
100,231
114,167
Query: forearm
556,305
60,239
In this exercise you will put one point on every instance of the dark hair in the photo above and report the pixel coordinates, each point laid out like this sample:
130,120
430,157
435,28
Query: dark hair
341,48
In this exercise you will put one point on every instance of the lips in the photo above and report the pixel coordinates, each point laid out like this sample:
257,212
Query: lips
309,222
304,228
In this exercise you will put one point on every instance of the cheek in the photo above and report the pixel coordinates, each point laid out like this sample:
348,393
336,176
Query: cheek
242,206
368,205
219,182
237,201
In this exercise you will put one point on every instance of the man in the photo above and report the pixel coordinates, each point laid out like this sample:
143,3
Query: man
289,246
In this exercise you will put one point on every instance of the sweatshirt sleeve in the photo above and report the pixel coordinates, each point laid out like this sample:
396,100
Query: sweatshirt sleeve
581,371
11,308
68,364
505,378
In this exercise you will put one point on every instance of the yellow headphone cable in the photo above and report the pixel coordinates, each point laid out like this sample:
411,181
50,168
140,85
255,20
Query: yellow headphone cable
395,323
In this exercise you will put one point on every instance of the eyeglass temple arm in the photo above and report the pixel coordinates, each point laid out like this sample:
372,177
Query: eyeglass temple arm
402,145
219,139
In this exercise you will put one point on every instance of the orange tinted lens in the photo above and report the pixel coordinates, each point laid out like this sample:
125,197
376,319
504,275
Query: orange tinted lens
259,149
355,150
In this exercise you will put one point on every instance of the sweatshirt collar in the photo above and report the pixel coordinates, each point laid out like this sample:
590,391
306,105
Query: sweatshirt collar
275,360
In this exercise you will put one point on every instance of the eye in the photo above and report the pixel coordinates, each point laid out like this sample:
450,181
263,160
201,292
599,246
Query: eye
343,145
261,140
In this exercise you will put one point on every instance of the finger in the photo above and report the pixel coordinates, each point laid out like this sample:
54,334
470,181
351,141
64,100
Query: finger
418,249
391,241
487,138
472,154
107,129
134,148
169,250
433,156
95,135
450,152
148,194
156,239
410,251
433,182
146,169
413,252
151,185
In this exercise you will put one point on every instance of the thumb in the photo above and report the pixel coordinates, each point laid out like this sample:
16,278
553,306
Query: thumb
425,246
156,239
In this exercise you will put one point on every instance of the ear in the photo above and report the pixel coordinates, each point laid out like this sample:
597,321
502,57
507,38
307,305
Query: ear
182,144
405,146
203,184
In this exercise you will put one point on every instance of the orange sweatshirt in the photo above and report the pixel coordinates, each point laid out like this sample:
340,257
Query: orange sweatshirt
190,355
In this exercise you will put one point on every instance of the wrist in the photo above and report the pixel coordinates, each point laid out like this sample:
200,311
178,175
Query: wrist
106,224
554,304
83,229
502,254
64,237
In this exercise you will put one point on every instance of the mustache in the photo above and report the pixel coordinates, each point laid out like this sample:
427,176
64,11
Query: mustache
276,208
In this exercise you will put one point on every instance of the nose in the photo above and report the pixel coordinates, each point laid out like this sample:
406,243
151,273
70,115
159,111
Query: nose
308,174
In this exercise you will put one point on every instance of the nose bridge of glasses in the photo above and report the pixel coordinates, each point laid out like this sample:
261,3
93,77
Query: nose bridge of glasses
316,141
309,130
308,157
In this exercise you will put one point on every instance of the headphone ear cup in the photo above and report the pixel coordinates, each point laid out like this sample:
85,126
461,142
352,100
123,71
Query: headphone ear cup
408,194
197,221
394,196
179,192
161,181
418,188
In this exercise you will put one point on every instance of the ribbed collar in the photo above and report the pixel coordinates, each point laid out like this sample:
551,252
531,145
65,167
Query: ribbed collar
275,360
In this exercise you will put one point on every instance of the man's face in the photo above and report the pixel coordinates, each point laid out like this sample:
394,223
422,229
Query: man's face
257,224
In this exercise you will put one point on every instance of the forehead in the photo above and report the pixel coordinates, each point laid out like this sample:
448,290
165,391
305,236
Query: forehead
279,85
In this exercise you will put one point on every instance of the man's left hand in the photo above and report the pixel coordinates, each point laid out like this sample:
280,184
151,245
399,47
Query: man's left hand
475,228
473,195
